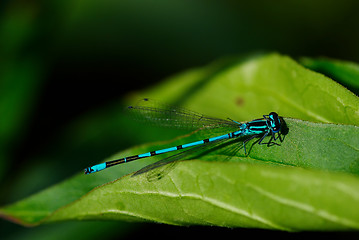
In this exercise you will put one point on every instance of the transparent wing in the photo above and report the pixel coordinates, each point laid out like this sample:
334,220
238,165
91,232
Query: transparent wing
154,172
157,113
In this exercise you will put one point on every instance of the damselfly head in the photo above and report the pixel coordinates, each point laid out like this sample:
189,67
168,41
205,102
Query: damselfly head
275,122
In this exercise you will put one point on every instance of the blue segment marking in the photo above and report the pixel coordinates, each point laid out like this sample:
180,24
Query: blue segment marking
166,150
218,138
148,154
192,144
98,167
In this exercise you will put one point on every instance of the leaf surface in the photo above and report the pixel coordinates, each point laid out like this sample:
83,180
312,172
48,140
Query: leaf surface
344,72
246,89
308,183
226,194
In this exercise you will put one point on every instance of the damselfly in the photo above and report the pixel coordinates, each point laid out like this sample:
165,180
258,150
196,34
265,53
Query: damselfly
167,115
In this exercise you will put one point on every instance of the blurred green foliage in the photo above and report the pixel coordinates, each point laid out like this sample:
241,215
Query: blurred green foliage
65,64
344,72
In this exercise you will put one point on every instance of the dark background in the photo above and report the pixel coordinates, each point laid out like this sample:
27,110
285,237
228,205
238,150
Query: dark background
64,63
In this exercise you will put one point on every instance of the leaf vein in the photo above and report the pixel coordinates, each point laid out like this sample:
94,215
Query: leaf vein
305,207
216,203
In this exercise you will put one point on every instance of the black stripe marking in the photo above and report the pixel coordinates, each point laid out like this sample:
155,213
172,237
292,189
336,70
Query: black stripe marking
258,124
179,147
131,158
115,162
153,153
206,140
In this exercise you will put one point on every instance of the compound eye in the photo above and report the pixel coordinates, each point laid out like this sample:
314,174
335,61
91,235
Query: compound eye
273,115
275,122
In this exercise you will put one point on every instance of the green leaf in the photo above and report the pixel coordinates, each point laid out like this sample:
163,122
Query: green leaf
224,194
227,194
344,72
343,157
246,89
308,183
